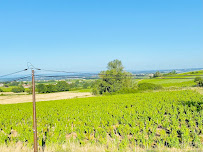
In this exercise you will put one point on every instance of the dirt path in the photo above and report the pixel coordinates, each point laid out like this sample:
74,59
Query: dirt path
14,98
198,89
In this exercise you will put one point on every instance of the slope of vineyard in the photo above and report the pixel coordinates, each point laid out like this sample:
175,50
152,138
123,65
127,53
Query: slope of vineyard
171,82
184,82
144,120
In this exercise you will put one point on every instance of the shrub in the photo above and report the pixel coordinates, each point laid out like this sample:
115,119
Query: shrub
18,89
95,91
1,90
200,83
197,79
149,86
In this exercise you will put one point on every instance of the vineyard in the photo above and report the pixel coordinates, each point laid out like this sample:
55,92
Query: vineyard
148,120
176,83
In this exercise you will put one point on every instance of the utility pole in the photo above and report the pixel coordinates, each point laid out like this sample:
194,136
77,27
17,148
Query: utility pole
34,112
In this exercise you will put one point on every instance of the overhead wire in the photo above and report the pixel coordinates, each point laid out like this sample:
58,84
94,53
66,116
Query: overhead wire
91,77
80,75
13,73
16,79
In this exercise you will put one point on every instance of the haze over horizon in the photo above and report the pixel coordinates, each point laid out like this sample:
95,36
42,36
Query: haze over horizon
86,35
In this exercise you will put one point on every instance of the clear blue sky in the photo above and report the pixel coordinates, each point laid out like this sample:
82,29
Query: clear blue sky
84,35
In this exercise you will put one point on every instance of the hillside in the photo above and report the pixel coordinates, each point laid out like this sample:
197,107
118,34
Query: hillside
165,119
178,80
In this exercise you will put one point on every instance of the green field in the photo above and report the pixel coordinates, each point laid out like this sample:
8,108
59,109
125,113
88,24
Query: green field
145,120
167,82
8,89
200,72
171,82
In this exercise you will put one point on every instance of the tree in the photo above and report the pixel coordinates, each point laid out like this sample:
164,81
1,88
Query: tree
41,88
18,89
115,65
86,85
29,90
14,83
51,88
157,74
173,72
199,81
1,90
77,83
62,86
113,79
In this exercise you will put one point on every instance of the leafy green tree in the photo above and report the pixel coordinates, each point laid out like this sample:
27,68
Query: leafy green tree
86,85
113,79
115,65
14,83
41,88
173,72
62,86
29,90
200,83
77,83
157,74
51,88
197,79
18,89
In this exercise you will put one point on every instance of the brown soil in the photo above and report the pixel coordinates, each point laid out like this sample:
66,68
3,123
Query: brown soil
15,98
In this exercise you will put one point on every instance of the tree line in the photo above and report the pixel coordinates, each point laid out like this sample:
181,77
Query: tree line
61,86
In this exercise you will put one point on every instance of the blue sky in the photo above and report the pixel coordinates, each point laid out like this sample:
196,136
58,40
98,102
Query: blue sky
78,35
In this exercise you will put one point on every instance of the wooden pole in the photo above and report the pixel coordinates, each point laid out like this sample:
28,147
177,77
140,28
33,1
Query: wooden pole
34,112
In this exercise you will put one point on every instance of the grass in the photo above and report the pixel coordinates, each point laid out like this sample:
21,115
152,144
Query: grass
8,89
84,90
175,82
200,72
76,147
171,82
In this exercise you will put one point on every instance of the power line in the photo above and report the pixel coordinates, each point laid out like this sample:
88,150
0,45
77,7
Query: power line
17,79
31,66
13,73
56,71
85,77
80,75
